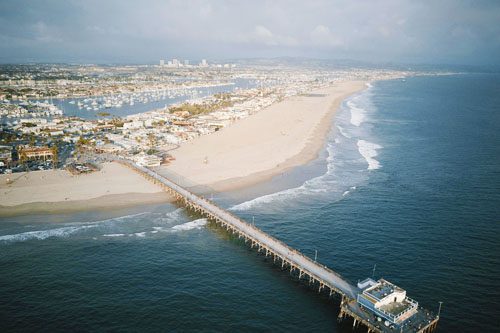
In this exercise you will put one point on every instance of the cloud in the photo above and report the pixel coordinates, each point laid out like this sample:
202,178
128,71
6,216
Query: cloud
322,36
263,35
126,30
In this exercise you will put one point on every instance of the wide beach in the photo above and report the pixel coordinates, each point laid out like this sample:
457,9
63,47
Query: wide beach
252,150
54,191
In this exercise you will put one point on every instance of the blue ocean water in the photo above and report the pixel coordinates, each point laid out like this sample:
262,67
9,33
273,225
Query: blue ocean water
409,180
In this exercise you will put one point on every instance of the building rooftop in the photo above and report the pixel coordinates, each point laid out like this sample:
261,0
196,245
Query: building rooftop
396,308
418,322
382,289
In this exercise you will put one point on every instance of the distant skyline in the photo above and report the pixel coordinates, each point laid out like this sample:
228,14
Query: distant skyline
443,32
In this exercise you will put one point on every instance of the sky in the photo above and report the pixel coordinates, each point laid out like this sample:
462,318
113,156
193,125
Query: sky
377,31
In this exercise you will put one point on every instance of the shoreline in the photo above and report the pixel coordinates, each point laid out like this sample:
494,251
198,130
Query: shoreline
309,153
56,191
115,187
297,134
103,203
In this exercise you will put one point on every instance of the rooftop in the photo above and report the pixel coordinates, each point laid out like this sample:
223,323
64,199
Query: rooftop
395,308
420,319
382,289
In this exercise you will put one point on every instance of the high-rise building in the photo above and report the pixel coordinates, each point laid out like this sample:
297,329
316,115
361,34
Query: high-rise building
186,62
175,62
162,62
204,63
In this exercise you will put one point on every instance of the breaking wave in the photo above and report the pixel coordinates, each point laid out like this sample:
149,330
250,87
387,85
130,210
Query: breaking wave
369,150
315,185
196,224
348,151
120,227
43,234
357,113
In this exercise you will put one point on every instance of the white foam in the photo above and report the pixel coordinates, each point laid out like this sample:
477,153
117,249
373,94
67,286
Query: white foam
315,185
168,218
342,132
342,161
196,224
357,113
328,182
43,234
348,191
369,150
112,224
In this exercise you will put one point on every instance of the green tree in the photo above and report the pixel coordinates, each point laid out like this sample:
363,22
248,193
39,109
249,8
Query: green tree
32,139
55,156
152,140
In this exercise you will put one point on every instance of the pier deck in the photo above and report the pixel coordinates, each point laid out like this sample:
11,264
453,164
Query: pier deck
288,257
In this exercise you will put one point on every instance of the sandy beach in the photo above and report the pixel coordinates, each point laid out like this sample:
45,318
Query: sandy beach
50,191
254,149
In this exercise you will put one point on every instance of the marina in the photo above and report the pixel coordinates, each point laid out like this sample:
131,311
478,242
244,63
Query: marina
236,166
352,216
121,105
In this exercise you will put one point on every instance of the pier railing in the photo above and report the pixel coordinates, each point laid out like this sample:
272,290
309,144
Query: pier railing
319,275
288,256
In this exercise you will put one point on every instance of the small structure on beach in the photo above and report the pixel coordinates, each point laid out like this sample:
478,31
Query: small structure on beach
81,168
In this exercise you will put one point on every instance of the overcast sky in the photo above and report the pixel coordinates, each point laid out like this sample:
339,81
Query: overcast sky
409,31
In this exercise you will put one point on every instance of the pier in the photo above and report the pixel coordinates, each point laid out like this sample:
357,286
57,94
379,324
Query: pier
305,268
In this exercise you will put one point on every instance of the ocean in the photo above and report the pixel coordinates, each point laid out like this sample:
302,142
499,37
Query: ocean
408,181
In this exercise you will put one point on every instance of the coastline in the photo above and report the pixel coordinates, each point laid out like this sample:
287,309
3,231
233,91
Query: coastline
309,153
247,153
242,161
103,203
56,191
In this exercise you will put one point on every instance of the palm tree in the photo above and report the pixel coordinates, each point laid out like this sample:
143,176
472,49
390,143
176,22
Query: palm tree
55,157
152,140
